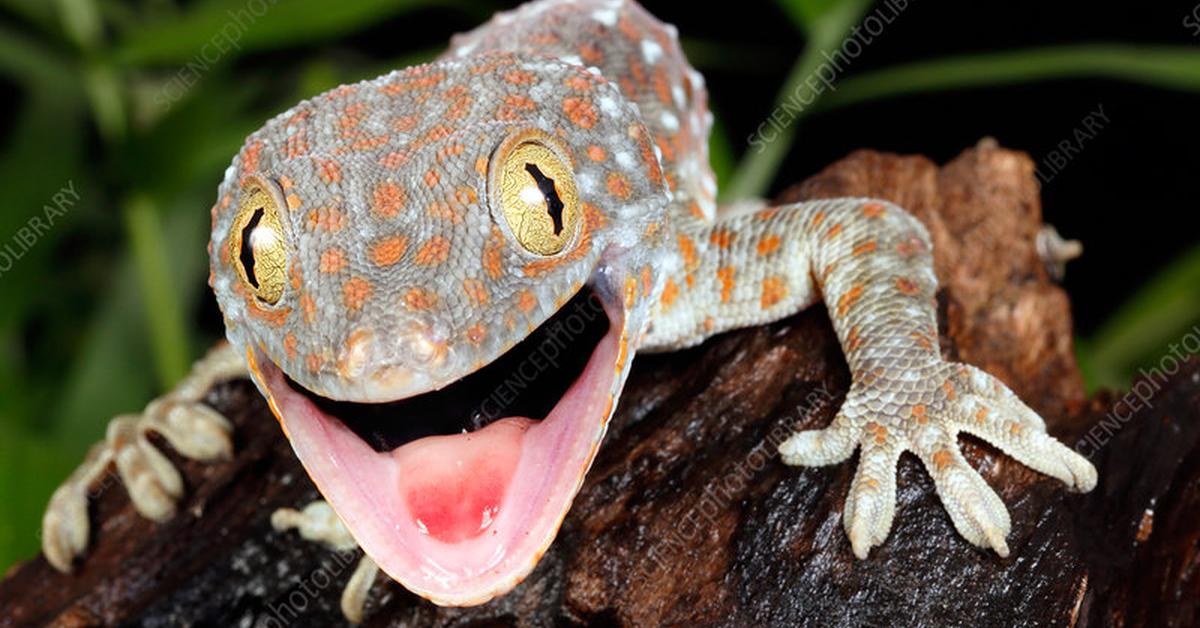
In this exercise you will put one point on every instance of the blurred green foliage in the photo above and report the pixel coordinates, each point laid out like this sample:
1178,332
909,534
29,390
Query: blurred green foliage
138,107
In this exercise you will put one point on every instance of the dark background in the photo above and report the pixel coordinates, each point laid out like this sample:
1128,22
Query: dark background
84,315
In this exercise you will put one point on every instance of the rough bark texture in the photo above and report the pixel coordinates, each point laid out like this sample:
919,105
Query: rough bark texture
688,516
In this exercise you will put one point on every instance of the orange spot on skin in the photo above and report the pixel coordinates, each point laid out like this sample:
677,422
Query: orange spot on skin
250,157
922,340
329,219
481,166
432,178
618,185
873,210
387,200
308,308
458,108
295,275
476,334
520,77
578,83
878,431
651,231
591,54
918,413
630,291
513,106
387,251
949,388
910,247
289,346
818,218
355,293
670,293
942,460
526,301
493,262
721,238
854,340
296,145
907,286
580,111
647,280
981,415
848,299
833,231
695,210
333,260
768,244
687,248
293,201
766,214
866,247
273,317
1015,428
421,82
708,324
725,277
596,153
419,299
393,160
329,171
476,291
313,362
434,251
773,291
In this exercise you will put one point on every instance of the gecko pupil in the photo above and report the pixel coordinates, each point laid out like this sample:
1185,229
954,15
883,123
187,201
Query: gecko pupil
246,255
554,205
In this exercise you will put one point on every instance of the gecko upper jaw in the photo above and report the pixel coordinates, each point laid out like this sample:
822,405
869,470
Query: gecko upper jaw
527,380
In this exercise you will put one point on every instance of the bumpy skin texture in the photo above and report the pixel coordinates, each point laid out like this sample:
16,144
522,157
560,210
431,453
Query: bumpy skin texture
402,275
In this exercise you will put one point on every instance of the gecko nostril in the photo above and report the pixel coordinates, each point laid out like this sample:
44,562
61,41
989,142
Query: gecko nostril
356,353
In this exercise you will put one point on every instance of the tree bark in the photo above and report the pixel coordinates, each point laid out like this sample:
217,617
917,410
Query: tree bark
689,517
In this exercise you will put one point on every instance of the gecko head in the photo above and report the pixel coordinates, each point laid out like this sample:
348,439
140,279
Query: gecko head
437,277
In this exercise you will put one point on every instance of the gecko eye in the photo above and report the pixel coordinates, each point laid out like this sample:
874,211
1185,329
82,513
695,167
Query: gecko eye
256,243
533,185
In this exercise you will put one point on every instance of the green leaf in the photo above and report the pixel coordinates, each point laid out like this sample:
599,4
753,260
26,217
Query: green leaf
1171,67
826,31
1143,330
806,13
217,30
147,240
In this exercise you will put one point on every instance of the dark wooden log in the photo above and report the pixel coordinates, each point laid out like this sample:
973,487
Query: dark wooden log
688,516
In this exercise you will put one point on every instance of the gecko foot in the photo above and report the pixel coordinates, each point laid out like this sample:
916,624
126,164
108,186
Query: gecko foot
192,428
922,410
318,522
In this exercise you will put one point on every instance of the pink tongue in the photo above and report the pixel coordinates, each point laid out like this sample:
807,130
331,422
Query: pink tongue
454,485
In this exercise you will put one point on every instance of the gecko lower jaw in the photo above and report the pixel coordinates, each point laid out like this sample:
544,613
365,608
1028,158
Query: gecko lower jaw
457,493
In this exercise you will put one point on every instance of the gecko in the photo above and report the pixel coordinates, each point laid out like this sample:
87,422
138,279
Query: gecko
438,280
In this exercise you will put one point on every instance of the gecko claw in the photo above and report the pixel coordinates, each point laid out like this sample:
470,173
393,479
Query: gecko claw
193,429
888,417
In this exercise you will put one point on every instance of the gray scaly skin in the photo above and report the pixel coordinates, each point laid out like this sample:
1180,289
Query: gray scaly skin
398,273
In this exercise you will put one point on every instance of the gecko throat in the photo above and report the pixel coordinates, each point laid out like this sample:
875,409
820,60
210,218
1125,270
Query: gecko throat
527,380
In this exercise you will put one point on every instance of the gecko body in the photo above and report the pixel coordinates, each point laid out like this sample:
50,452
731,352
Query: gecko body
439,279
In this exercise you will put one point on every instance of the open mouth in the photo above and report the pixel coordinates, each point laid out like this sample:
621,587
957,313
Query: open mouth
456,493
